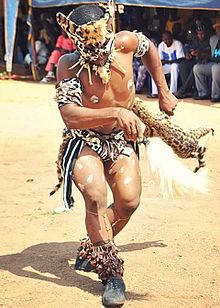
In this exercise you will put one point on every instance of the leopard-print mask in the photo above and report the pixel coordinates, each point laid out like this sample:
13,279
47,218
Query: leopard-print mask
92,33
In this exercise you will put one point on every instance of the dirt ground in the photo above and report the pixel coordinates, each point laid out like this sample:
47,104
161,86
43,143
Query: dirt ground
171,248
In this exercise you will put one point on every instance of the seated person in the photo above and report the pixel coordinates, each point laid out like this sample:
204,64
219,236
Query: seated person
41,55
197,20
171,54
63,45
178,33
142,78
209,69
157,22
172,20
195,51
140,75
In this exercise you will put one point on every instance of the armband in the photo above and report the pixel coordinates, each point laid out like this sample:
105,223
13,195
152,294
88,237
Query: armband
143,45
69,91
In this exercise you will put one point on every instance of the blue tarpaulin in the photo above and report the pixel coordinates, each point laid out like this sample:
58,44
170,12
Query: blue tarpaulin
50,3
11,11
199,4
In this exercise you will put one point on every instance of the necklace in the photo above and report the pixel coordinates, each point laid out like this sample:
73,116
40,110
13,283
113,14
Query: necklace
103,71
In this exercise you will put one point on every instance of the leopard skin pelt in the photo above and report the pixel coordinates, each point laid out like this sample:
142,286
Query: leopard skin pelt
66,137
184,144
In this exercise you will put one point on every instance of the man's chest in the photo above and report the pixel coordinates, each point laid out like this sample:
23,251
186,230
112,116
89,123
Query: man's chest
119,87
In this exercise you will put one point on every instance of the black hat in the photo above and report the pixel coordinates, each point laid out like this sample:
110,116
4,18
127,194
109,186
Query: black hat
84,14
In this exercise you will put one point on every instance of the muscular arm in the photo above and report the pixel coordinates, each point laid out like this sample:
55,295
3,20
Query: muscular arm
153,63
82,117
167,101
77,117
129,42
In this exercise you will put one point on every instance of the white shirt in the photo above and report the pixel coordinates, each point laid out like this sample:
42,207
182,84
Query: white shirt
42,52
174,52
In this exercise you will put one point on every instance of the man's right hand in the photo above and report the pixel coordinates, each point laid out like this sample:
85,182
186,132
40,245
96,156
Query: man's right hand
194,53
189,56
130,124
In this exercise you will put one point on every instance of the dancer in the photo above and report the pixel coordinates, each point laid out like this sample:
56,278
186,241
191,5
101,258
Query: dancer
95,94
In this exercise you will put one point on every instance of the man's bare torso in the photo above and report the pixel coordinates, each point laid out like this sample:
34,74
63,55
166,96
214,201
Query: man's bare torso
118,92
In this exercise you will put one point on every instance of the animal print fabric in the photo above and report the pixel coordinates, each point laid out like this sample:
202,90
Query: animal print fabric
185,144
69,91
143,45
108,147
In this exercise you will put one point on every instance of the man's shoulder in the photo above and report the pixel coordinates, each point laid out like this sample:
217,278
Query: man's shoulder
177,43
214,38
162,45
65,62
213,41
68,59
124,34
126,40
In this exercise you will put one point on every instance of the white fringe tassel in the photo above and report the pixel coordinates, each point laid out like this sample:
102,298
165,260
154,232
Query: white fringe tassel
175,178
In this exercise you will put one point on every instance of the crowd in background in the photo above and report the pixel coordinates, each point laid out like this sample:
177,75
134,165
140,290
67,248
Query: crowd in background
189,47
189,52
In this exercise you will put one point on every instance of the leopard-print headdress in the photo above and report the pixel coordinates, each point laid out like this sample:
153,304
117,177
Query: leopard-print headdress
94,32
91,29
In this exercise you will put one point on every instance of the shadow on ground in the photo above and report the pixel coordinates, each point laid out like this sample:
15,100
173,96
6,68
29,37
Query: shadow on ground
53,262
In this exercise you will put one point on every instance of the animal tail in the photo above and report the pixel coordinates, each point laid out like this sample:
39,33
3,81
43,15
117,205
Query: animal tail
56,188
59,161
175,178
60,179
201,131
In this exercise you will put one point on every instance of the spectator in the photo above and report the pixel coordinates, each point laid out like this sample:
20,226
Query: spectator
194,52
172,20
41,55
211,69
140,75
49,31
158,21
63,45
178,33
198,19
171,54
21,48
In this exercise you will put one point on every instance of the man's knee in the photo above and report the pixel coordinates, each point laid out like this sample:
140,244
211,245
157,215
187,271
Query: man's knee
128,206
182,65
174,67
96,201
216,72
197,69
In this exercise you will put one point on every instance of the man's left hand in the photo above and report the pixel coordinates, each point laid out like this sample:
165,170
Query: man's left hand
167,102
